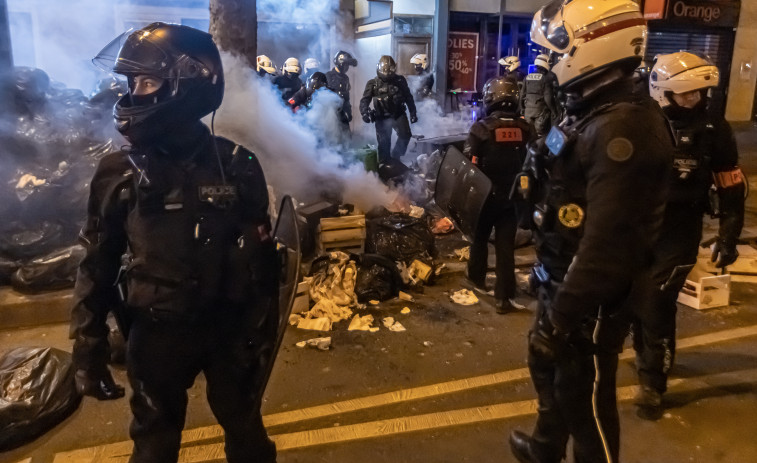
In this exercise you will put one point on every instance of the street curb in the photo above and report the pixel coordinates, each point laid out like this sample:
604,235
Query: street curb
23,310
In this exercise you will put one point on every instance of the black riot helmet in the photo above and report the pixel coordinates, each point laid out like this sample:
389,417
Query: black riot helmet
190,65
343,60
501,94
386,68
316,81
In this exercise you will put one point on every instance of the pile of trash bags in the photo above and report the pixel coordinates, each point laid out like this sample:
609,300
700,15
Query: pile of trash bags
51,139
37,391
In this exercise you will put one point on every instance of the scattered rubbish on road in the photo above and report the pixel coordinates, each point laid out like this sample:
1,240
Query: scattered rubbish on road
463,253
406,297
318,343
464,297
393,325
363,323
416,212
405,310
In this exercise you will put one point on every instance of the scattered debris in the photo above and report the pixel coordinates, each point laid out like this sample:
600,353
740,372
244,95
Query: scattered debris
363,323
463,253
315,324
405,310
419,271
373,302
406,297
464,297
442,226
393,325
319,343
428,343
416,212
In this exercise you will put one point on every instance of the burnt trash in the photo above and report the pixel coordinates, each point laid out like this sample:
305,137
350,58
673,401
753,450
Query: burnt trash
399,237
377,278
56,270
37,391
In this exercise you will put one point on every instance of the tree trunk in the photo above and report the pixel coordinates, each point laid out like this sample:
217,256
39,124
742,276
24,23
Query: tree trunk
234,26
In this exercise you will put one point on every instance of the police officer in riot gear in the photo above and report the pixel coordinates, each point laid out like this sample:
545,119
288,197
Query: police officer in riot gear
598,207
304,96
425,79
339,83
538,102
311,66
390,94
705,155
289,81
189,213
264,66
511,65
497,145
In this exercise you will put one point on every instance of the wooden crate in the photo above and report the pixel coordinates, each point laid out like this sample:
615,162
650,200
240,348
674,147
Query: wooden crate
345,233
704,290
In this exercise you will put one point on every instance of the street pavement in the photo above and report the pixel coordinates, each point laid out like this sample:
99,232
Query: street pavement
451,387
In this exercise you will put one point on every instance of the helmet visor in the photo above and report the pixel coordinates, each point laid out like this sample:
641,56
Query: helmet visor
136,53
548,28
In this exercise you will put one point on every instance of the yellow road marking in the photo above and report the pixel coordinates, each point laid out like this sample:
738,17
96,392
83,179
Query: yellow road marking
121,450
402,425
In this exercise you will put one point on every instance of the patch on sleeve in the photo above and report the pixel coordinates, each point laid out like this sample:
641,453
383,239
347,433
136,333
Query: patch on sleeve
620,149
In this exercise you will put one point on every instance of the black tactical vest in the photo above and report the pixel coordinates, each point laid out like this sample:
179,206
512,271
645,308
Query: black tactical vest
692,172
192,238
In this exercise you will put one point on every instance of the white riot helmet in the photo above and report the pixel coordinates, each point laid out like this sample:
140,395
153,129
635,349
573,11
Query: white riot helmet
420,59
680,73
291,66
264,64
591,35
311,64
511,63
542,61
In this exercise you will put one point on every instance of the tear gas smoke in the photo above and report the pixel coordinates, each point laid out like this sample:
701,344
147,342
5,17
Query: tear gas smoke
295,150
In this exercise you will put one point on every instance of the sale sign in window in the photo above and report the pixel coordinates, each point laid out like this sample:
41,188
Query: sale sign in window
462,60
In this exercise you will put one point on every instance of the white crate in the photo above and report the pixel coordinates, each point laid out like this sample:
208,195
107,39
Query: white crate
704,290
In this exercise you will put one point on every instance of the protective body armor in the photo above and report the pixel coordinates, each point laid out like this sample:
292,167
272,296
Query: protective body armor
195,241
538,102
389,97
560,212
339,83
287,85
497,145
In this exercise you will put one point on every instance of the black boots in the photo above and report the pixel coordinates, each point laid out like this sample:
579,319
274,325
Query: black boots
649,403
526,450
100,386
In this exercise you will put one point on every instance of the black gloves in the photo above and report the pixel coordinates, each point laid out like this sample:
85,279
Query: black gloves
544,341
367,118
413,118
724,253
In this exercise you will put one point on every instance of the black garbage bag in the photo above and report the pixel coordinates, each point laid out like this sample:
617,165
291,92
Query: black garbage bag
56,270
377,278
19,240
400,238
37,391
7,268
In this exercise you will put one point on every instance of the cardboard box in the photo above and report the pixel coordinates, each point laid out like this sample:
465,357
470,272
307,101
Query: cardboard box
704,290
302,298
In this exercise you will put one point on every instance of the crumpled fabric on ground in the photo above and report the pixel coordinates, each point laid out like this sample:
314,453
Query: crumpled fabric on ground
333,291
464,297
363,323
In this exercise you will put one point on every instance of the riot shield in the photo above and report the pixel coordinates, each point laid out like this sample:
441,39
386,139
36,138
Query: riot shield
287,238
461,191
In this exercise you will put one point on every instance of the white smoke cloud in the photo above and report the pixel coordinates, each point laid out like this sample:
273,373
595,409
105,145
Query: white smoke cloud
294,149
